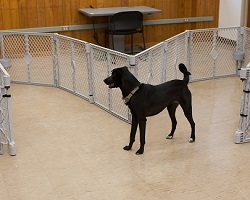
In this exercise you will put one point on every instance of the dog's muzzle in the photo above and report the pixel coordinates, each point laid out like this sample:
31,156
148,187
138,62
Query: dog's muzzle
112,85
109,81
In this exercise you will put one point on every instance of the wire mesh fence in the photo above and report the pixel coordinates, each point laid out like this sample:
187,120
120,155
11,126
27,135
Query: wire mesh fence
242,135
80,67
159,63
31,57
6,129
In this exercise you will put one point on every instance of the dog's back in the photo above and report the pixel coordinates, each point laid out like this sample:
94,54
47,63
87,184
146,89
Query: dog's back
162,92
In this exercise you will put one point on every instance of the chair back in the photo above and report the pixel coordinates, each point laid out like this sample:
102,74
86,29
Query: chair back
129,20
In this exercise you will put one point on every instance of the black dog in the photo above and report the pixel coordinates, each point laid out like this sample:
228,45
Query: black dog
147,100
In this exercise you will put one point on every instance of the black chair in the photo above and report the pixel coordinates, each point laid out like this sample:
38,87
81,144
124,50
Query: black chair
125,23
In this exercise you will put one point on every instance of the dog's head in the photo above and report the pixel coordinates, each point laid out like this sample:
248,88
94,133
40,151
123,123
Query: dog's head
115,80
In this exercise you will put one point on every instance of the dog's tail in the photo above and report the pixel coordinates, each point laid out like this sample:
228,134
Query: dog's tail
186,73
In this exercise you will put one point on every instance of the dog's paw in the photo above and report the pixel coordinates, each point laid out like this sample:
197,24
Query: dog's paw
139,152
191,140
127,148
169,137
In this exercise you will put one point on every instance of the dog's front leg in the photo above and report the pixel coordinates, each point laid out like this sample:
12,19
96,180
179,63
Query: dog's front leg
142,126
134,126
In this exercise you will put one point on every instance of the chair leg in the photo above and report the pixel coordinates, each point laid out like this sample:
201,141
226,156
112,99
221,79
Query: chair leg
143,39
132,49
113,45
105,40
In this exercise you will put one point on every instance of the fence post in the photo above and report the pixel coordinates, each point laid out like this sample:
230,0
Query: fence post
240,38
240,135
164,62
90,72
2,45
240,47
27,57
188,50
214,52
12,145
132,64
55,58
73,65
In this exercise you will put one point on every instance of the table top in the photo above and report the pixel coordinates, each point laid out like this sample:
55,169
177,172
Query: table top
97,12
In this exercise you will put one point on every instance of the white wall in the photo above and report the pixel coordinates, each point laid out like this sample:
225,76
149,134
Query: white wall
232,13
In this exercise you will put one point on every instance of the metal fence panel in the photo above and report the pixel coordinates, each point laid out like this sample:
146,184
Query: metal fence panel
149,66
65,65
81,83
176,52
39,59
103,62
201,61
243,133
247,47
212,52
226,44
80,67
159,64
6,127
72,66
31,57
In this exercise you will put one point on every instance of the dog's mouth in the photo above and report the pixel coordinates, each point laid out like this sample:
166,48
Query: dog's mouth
111,85
108,81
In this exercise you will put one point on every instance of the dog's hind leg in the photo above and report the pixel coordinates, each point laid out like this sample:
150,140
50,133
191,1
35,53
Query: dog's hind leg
134,126
187,109
188,115
192,124
171,111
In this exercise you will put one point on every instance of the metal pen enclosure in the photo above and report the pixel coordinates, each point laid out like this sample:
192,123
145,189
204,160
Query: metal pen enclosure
80,67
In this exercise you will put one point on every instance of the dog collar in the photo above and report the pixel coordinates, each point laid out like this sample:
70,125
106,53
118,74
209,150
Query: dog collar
127,98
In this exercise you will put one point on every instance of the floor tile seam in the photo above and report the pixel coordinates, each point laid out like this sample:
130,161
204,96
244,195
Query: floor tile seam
8,190
51,182
195,183
241,192
91,171
154,190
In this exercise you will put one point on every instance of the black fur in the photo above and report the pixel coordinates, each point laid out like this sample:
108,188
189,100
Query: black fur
150,100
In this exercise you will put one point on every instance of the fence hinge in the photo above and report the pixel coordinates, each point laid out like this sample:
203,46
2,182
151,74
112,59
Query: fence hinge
246,91
245,73
6,96
88,48
188,33
242,30
132,60
55,35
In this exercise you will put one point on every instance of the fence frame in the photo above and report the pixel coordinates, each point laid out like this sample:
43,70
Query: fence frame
66,57
6,126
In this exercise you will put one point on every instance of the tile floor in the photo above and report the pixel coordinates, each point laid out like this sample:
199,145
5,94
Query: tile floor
68,149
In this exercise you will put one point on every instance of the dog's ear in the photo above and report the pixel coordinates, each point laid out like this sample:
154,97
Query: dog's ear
118,71
125,68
